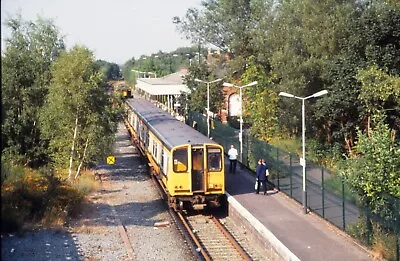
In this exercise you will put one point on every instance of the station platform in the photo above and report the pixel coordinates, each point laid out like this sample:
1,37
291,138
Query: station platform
281,221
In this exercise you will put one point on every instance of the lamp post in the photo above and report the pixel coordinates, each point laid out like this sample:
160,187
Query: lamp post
208,102
241,117
303,120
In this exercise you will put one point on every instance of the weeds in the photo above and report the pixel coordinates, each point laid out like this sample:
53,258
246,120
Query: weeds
381,241
32,198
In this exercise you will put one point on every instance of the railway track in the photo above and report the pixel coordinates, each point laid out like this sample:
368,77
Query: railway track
212,239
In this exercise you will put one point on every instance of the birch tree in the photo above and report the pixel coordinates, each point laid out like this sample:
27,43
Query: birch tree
77,119
25,77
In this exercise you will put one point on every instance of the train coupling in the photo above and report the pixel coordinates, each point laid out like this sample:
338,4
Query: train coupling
199,206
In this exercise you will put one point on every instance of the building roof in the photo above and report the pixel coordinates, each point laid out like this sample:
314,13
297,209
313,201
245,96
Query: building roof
171,84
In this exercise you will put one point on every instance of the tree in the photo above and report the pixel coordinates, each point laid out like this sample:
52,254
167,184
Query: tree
77,119
260,102
380,92
25,64
225,24
110,71
197,99
374,172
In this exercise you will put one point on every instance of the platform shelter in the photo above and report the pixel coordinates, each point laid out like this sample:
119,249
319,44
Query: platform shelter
165,90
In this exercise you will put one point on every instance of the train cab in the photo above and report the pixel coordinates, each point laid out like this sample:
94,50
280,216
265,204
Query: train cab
197,170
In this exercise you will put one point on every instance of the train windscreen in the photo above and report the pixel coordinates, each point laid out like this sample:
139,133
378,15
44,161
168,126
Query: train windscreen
180,159
214,159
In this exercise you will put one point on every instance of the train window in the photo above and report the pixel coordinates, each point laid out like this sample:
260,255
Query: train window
166,164
142,132
162,159
155,150
214,159
146,142
180,158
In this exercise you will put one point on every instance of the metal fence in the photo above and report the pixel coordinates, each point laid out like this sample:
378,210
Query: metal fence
328,195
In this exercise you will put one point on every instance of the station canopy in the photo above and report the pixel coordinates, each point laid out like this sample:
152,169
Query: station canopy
171,84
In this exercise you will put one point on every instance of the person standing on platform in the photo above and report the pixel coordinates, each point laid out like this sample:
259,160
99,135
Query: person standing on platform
258,167
261,177
266,173
232,153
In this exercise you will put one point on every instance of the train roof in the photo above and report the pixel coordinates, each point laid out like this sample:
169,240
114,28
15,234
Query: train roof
169,130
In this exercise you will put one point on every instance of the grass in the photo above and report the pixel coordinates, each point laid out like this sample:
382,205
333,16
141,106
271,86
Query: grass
289,145
33,198
382,242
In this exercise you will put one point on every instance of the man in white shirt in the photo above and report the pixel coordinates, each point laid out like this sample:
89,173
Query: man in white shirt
232,153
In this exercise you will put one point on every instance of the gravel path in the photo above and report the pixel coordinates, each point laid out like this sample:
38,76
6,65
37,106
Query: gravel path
127,201
127,197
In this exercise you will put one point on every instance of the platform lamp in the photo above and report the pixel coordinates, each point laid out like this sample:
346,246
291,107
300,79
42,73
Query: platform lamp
241,114
303,120
208,102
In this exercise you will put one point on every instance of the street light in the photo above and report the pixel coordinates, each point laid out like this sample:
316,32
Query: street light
303,159
241,117
208,102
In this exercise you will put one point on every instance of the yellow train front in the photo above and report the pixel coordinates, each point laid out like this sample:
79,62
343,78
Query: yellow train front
190,166
123,91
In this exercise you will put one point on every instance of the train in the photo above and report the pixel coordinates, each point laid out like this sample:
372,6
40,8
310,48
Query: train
123,91
189,166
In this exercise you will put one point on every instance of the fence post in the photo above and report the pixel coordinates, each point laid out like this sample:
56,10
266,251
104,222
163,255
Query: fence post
278,166
397,228
247,151
368,226
323,192
343,206
290,175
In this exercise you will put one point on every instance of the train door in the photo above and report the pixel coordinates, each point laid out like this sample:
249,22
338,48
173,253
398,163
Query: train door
197,169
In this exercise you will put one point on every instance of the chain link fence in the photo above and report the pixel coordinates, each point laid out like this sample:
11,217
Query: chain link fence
328,194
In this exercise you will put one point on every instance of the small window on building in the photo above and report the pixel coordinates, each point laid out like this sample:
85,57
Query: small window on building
234,105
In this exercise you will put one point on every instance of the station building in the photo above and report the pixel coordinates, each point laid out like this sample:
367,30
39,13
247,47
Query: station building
165,91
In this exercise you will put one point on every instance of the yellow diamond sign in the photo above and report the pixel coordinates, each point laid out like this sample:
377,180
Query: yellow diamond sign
111,160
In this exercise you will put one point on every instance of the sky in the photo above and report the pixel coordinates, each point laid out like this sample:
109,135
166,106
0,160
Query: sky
114,30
